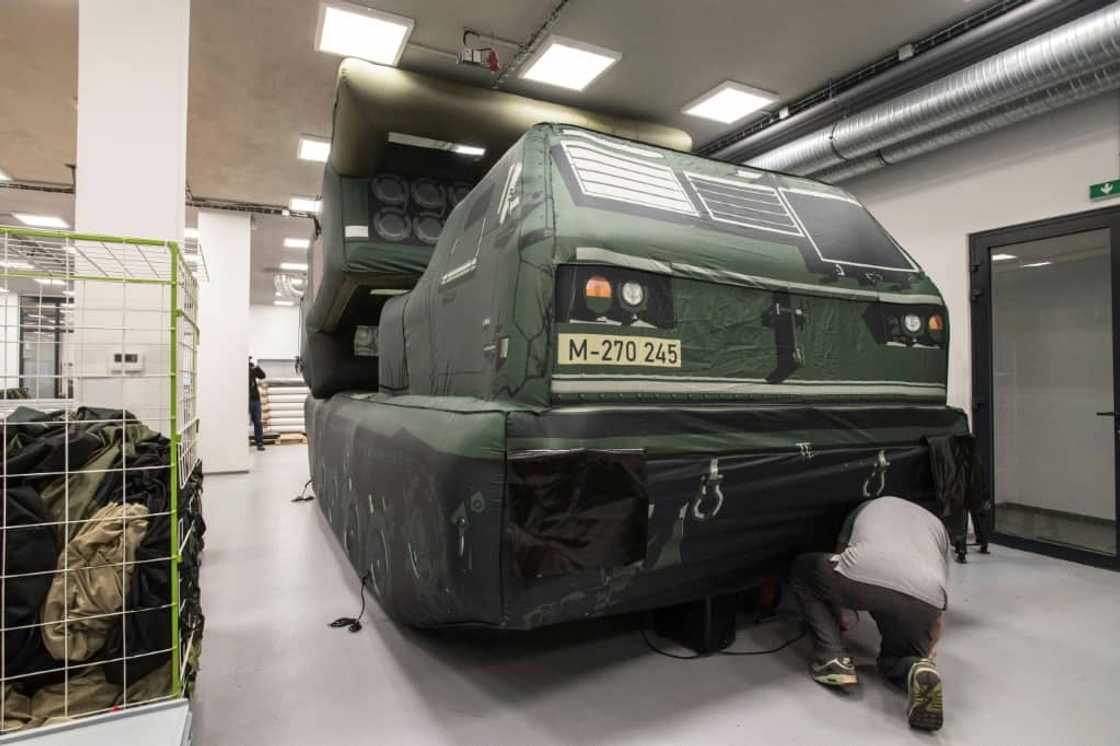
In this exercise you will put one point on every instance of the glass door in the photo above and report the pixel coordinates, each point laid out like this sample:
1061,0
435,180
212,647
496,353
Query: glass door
1045,385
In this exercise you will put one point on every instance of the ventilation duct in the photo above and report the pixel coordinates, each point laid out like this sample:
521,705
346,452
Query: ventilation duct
1078,89
1046,72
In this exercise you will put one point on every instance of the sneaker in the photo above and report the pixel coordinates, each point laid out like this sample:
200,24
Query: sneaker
924,706
835,672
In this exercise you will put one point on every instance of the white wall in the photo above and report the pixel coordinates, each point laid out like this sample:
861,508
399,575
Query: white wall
273,331
1036,169
223,350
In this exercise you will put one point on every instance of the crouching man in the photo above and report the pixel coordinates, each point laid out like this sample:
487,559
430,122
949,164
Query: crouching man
892,562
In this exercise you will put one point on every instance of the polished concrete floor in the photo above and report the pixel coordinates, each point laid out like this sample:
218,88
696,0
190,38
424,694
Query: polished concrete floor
1030,656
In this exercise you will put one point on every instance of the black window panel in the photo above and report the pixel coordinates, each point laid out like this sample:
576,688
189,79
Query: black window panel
845,232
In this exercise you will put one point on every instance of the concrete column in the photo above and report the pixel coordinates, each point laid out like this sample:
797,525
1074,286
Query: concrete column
132,117
131,181
223,310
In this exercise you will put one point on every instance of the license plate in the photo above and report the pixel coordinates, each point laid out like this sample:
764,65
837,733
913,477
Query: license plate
614,349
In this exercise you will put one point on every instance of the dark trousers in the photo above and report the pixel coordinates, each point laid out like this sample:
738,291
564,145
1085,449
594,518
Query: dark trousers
255,416
905,623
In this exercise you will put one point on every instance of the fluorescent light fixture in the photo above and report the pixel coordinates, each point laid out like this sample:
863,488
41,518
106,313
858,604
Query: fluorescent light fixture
40,221
355,31
283,303
729,102
1003,257
16,264
4,175
387,291
191,233
303,204
568,63
293,266
314,148
297,243
45,281
416,141
1036,264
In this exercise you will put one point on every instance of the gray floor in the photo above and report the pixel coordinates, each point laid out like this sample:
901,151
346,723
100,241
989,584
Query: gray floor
1030,656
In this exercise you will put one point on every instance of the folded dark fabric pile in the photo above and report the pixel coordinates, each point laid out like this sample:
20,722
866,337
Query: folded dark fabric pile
89,491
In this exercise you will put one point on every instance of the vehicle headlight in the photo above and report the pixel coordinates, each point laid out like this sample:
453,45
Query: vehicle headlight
597,294
912,322
633,294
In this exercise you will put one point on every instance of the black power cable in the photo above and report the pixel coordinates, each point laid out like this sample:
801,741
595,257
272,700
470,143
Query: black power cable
303,497
354,623
769,651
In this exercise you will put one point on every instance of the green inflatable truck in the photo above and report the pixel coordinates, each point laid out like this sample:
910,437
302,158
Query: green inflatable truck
583,373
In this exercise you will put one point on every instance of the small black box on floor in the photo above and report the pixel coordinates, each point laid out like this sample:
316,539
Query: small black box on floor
706,626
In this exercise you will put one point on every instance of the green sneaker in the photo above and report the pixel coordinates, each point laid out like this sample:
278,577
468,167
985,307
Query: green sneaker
835,672
924,706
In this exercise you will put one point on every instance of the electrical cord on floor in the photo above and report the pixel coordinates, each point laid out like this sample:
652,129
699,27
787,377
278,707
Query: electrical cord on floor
678,656
354,623
783,646
303,497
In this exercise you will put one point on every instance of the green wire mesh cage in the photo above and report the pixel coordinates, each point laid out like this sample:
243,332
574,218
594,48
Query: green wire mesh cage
102,524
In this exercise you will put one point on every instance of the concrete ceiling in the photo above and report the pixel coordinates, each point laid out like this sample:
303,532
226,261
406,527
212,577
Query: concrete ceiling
256,82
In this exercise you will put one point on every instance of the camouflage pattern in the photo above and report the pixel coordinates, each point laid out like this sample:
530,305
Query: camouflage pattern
420,494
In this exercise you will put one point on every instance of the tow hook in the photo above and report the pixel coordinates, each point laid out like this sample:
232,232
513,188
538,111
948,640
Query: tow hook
876,481
709,490
459,521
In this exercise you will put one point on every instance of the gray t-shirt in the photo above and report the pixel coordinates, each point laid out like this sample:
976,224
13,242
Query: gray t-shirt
899,545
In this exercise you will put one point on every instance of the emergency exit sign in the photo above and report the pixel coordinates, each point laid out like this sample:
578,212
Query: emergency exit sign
1105,189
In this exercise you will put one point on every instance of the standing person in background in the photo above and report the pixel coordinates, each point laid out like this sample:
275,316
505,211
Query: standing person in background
255,374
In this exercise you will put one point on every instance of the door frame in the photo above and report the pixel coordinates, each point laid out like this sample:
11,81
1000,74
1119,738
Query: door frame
980,247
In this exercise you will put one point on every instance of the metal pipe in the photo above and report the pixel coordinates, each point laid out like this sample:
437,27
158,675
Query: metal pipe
1064,53
1009,29
1078,89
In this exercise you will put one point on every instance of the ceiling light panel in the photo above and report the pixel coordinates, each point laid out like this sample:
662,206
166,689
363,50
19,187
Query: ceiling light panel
355,31
293,266
469,150
41,221
303,204
568,63
729,102
314,148
297,243
416,141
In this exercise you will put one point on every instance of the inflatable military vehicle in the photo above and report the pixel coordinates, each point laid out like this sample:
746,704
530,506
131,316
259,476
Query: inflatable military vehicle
561,368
